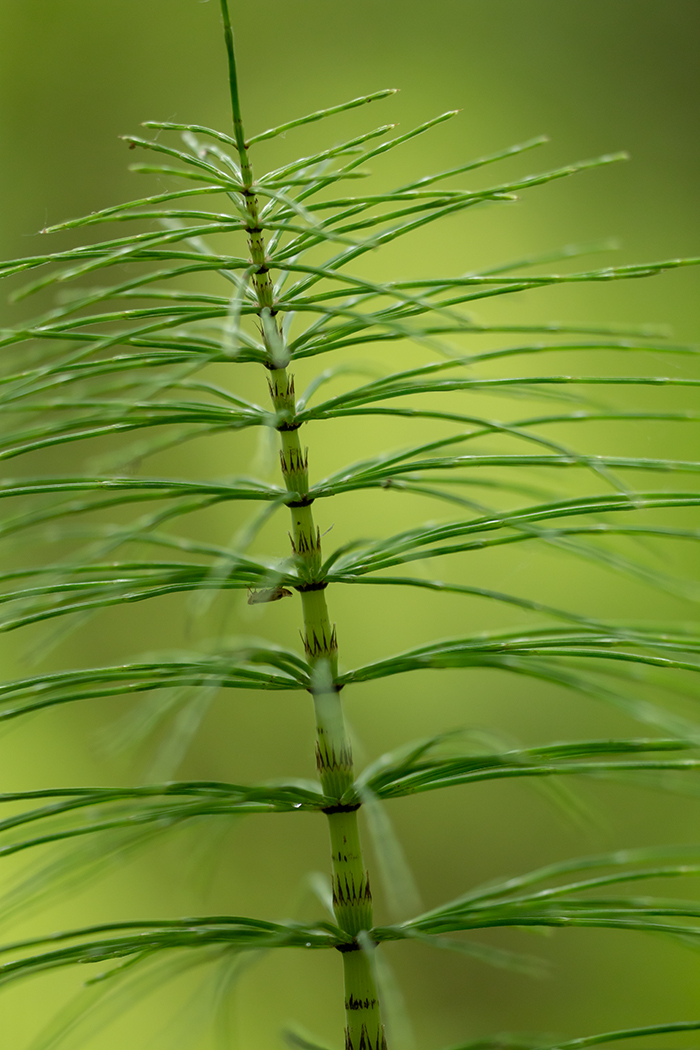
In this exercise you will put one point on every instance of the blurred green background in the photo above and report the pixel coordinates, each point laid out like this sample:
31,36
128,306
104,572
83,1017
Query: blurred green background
597,76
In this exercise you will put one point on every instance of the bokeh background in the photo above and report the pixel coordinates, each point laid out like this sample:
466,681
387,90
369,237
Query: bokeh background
597,76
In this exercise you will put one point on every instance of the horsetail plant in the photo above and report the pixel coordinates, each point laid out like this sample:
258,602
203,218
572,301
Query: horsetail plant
125,357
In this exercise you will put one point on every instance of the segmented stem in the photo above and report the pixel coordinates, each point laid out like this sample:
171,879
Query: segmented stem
352,898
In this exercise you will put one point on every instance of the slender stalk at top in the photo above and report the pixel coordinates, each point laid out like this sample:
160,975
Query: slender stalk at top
235,101
352,899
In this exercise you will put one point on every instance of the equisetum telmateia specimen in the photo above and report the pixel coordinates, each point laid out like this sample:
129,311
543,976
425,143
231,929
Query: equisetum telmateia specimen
149,352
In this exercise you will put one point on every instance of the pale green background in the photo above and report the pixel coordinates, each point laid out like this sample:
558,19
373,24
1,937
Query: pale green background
597,76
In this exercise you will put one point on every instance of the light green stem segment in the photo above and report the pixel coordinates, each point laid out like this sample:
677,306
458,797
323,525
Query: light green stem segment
363,1030
352,899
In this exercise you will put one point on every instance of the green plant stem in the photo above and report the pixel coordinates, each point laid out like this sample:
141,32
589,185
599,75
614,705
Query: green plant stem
352,898
363,1030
